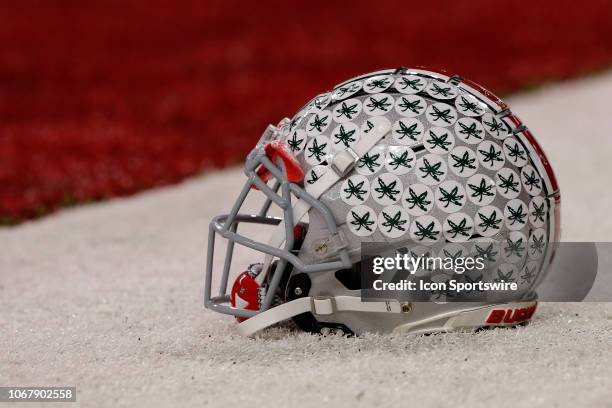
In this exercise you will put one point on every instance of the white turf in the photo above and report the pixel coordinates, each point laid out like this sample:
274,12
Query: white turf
108,297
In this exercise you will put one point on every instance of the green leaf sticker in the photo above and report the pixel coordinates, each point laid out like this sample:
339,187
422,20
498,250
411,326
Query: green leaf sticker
407,131
313,175
321,101
488,250
296,141
387,189
537,211
514,249
378,104
495,126
316,150
450,196
410,84
410,105
463,161
514,152
293,123
355,190
515,214
439,140
347,110
491,155
400,159
481,189
393,221
531,180
431,169
372,161
529,273
367,126
441,114
318,122
441,90
425,229
418,199
468,105
344,135
347,90
453,251
508,183
377,84
537,243
488,221
469,130
505,273
458,227
361,220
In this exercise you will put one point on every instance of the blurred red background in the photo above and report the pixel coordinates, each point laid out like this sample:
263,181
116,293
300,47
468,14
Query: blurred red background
105,99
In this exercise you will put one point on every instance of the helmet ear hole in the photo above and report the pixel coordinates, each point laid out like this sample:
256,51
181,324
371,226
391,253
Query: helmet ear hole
286,272
350,278
299,286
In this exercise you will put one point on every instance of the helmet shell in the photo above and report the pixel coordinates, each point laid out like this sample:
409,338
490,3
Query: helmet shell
457,169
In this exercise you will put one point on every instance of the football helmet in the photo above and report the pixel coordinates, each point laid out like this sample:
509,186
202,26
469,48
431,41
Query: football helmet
404,156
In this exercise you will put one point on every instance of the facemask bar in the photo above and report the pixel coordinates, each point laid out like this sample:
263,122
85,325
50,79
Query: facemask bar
227,225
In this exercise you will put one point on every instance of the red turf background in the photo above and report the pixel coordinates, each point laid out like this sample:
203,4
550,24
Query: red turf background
105,99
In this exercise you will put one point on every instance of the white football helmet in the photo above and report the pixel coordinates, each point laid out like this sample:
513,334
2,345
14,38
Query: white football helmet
408,157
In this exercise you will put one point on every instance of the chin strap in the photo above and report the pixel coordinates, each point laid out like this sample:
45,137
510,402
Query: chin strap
494,315
317,305
342,164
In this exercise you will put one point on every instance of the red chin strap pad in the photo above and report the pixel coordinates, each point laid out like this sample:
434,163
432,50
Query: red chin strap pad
278,149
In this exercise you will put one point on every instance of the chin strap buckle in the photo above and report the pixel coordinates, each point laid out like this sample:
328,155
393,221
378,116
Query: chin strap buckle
323,305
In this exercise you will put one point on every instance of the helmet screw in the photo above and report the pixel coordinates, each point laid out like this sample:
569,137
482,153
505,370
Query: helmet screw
298,291
406,307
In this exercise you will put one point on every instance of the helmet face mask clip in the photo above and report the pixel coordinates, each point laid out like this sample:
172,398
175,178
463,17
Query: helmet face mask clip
411,158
